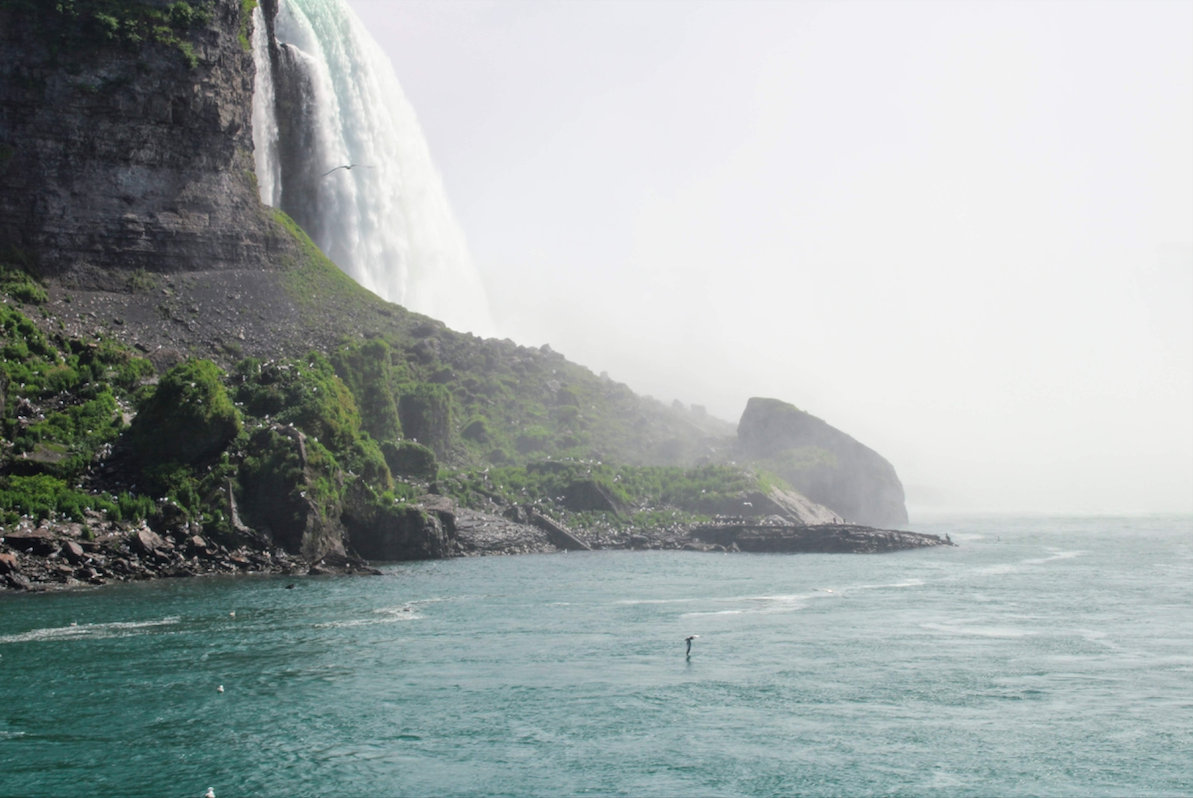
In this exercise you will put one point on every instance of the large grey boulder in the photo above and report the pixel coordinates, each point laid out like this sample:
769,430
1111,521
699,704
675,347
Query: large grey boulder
822,462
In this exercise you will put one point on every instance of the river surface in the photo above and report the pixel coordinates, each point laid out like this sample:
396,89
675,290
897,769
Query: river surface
1041,656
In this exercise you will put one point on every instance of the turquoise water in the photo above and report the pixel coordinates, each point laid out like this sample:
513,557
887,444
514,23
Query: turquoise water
1040,657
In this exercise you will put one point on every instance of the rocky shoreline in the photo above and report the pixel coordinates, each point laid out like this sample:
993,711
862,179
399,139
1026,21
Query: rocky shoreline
56,555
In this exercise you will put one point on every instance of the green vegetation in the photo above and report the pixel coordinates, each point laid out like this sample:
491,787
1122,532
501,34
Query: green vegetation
187,420
426,413
313,276
246,22
61,409
410,459
368,370
71,27
17,284
141,281
587,493
305,450
291,444
41,496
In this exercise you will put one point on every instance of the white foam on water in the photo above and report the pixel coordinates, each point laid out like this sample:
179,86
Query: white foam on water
975,630
888,585
1056,555
89,631
405,612
633,602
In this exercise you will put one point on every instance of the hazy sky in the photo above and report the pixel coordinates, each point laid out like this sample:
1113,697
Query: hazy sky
961,232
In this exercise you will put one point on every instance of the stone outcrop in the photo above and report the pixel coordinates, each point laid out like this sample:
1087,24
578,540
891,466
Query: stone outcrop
821,462
401,532
283,498
589,495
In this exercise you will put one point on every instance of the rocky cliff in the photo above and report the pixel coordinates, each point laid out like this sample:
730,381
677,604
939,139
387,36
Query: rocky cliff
126,140
822,462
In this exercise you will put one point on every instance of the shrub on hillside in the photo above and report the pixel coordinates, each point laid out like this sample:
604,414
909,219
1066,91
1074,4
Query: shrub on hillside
187,418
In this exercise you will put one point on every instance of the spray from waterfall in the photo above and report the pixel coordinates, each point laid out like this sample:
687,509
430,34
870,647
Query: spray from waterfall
339,148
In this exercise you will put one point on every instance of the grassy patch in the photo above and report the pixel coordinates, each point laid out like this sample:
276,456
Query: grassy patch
74,27
21,286
315,277
246,23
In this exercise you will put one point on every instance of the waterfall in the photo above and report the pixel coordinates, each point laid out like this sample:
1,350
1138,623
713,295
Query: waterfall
265,125
327,99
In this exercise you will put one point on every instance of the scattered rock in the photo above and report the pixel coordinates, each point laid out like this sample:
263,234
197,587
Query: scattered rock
38,542
18,582
73,551
146,541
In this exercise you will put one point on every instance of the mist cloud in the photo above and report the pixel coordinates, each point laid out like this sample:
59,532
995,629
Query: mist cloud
961,232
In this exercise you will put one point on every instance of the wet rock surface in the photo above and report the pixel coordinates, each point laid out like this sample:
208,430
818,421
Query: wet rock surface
52,556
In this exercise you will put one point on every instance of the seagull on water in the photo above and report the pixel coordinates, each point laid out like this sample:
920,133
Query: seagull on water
689,640
220,689
210,793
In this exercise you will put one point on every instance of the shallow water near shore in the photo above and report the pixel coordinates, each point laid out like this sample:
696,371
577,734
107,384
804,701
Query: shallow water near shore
1042,656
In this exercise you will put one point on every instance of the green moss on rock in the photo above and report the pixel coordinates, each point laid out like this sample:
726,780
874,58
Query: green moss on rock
368,371
410,459
425,410
188,418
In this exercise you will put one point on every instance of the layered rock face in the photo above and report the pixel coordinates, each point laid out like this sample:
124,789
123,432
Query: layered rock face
823,463
118,154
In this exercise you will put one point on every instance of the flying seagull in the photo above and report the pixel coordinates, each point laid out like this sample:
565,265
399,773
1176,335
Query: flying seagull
689,640
342,166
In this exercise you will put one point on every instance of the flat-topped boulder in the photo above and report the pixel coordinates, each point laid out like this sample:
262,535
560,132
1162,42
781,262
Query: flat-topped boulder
813,538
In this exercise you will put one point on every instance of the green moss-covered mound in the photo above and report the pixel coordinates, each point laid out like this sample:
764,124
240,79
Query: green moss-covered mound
187,419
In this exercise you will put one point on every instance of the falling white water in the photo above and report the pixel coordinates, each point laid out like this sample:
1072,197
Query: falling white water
265,123
386,221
